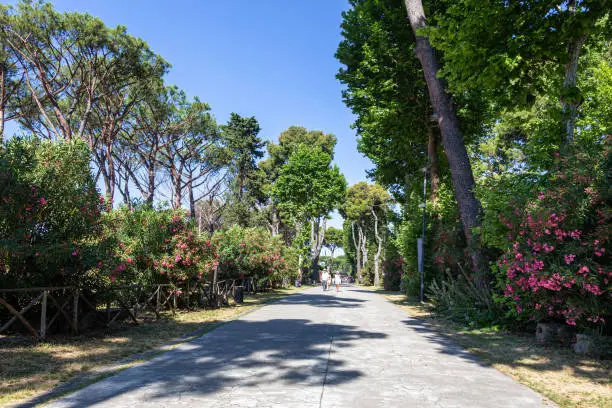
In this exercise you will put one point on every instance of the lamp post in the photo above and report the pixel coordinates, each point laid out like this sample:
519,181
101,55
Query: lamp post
421,241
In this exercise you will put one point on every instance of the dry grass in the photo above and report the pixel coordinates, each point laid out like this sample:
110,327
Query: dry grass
30,369
566,378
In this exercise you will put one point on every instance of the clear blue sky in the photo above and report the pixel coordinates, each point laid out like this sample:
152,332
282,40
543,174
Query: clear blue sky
273,59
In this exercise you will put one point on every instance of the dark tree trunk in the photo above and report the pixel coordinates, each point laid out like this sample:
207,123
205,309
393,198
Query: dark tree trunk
379,242
126,190
364,248
357,244
151,186
176,203
452,139
317,235
571,99
2,99
434,172
192,209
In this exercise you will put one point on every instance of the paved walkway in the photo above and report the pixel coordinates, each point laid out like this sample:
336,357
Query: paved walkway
313,349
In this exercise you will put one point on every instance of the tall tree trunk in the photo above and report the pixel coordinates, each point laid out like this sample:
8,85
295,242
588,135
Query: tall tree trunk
317,235
299,271
2,99
275,224
357,243
571,99
379,241
364,248
192,211
107,167
459,163
126,187
151,186
200,221
432,156
177,181
298,230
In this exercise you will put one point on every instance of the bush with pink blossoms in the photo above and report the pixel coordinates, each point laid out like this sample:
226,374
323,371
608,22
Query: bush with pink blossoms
187,256
50,215
251,253
558,264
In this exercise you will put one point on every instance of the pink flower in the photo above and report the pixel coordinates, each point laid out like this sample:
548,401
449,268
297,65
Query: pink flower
569,258
43,201
593,288
541,195
75,252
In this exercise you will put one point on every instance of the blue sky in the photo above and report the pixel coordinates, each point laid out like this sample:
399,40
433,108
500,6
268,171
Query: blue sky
273,59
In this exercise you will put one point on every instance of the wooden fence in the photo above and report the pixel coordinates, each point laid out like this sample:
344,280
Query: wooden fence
39,309
43,308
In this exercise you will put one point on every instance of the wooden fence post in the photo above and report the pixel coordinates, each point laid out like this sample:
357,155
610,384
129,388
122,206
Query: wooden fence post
43,316
157,307
75,312
19,316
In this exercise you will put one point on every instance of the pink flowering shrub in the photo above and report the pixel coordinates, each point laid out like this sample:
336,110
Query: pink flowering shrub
557,266
49,215
186,256
250,252
155,246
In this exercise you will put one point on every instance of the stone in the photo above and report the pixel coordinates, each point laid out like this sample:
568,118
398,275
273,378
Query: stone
583,344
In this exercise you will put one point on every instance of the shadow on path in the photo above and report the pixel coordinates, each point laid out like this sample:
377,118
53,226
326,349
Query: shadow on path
323,299
446,344
292,353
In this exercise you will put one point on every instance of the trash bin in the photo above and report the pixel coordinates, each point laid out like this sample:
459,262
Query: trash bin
239,294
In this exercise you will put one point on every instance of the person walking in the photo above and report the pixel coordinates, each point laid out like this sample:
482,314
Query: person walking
325,279
337,282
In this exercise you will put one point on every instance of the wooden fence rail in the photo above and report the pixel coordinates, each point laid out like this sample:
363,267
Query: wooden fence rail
69,304
46,306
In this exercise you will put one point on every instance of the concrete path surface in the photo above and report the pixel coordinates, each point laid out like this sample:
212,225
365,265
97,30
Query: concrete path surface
313,349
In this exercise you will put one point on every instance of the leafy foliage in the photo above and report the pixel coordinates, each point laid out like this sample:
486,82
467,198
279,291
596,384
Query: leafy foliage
308,186
49,214
557,266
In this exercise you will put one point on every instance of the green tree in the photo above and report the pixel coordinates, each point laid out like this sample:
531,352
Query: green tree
81,79
333,240
244,148
307,190
366,208
523,48
190,151
452,137
278,155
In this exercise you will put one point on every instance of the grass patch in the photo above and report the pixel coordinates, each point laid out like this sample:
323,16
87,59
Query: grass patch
29,369
559,374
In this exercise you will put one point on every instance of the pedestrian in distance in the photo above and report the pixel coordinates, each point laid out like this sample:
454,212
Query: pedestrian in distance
337,282
325,279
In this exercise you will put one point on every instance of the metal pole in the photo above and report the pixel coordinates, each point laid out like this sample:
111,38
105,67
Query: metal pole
423,235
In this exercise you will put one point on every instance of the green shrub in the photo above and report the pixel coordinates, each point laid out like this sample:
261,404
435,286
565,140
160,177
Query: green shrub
251,253
50,211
